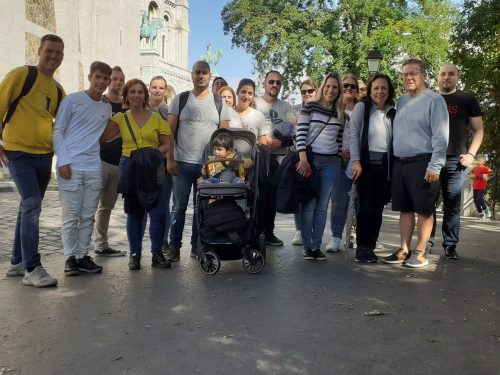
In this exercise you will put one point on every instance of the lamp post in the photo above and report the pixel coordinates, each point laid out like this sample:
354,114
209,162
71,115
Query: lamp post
373,60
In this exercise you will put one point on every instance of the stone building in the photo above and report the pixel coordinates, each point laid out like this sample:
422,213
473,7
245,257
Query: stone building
146,38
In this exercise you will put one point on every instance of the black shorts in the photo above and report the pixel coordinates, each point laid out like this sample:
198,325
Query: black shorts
410,192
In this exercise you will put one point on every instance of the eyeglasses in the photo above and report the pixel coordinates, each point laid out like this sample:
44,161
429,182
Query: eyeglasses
274,81
308,91
352,86
411,74
220,83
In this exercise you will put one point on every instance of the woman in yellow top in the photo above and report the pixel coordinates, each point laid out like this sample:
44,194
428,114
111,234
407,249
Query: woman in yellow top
150,131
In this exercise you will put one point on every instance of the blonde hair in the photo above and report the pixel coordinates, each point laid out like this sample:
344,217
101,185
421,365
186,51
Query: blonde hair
337,103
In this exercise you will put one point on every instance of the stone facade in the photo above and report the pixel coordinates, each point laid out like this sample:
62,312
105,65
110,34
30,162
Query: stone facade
100,30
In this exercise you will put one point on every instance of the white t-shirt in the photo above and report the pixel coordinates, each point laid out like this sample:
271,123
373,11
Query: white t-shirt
199,119
79,124
253,121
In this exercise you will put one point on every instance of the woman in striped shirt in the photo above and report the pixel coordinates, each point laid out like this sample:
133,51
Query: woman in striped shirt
320,126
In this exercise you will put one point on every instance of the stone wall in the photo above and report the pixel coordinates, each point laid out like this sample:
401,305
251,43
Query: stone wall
42,13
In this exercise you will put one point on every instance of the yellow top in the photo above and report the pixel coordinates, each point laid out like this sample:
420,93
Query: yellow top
30,128
147,136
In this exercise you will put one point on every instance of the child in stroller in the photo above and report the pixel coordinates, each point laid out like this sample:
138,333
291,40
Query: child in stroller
225,165
226,202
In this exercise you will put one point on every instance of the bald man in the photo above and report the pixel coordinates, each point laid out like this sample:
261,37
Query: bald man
465,115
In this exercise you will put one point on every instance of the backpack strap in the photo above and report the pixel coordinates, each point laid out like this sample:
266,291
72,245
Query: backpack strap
130,130
59,97
183,98
28,84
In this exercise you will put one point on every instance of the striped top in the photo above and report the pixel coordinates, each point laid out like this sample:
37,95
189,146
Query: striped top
312,119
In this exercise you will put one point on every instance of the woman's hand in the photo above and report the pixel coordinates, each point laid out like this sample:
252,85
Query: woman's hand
346,154
356,169
303,167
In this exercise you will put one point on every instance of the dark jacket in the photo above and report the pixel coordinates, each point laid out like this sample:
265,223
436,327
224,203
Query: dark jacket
292,188
140,183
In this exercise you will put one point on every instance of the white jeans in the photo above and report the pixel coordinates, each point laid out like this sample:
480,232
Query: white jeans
79,197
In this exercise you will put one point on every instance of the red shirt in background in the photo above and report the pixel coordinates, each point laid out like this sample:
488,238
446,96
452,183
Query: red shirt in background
479,183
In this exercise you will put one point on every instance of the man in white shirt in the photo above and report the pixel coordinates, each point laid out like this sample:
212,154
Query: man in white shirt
80,122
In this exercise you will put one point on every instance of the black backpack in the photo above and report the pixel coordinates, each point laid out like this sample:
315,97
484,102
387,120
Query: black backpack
224,216
184,96
28,85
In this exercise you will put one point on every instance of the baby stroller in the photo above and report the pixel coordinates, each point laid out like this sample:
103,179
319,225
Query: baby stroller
227,212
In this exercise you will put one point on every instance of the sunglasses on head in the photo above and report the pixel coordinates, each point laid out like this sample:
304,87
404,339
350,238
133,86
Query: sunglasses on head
352,86
308,91
273,81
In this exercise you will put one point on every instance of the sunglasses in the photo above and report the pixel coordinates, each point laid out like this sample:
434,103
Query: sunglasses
308,91
352,86
273,81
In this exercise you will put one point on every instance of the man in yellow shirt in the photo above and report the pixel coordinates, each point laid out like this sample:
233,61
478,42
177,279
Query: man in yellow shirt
27,152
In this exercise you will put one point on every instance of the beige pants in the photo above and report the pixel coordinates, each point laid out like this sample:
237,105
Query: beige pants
109,195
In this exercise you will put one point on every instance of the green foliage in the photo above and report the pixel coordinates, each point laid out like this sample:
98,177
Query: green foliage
310,38
476,51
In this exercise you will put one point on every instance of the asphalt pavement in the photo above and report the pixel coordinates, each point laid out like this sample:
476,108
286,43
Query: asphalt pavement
296,317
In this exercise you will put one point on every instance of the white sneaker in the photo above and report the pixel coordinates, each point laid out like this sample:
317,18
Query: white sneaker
333,245
488,213
379,246
482,216
16,270
297,238
39,278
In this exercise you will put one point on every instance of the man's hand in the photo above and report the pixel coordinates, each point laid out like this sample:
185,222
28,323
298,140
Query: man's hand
4,161
431,177
466,160
172,167
65,171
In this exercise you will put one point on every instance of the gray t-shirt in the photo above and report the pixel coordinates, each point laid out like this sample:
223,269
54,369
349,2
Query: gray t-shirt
198,120
275,113
253,121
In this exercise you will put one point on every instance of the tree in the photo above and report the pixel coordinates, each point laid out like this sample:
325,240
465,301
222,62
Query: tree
313,37
476,53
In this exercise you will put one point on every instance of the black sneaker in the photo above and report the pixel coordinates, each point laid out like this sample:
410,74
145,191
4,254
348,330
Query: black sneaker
450,252
86,264
173,253
360,255
160,261
272,240
370,256
134,262
308,254
110,252
71,267
319,255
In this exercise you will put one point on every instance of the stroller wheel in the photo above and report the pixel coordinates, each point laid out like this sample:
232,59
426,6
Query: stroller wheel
253,261
210,263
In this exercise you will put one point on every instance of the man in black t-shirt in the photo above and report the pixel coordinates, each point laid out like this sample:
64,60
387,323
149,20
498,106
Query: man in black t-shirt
465,115
110,158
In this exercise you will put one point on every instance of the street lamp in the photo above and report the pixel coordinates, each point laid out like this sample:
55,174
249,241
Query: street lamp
373,60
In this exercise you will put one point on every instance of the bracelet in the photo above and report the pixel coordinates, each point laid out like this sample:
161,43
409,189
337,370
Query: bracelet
471,154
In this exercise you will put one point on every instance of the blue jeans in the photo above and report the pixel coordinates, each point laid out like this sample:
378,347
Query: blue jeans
340,203
183,183
136,220
452,182
31,174
313,212
168,220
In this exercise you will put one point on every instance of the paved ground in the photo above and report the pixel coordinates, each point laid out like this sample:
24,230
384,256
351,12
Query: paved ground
296,317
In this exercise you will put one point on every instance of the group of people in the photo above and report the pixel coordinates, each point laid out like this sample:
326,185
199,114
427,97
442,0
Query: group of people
129,140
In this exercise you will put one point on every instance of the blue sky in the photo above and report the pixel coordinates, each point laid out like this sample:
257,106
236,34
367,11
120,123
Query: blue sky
206,27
